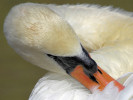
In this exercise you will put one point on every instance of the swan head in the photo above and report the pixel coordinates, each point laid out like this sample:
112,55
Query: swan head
43,30
42,37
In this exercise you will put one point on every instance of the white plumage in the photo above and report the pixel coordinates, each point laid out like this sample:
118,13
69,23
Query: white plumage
105,32
53,86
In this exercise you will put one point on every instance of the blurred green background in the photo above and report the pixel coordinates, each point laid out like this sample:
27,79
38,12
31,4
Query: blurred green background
18,77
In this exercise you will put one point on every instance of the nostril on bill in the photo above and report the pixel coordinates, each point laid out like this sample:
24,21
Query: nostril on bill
100,71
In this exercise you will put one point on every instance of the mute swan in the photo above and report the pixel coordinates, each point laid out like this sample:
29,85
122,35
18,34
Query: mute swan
47,35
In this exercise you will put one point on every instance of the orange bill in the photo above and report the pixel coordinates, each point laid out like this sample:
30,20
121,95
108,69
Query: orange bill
102,79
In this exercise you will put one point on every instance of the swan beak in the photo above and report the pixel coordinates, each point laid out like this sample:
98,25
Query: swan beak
102,79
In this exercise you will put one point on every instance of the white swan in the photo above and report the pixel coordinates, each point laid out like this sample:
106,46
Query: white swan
40,33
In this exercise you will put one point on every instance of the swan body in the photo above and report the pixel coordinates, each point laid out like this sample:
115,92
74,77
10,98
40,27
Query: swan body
106,33
47,88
